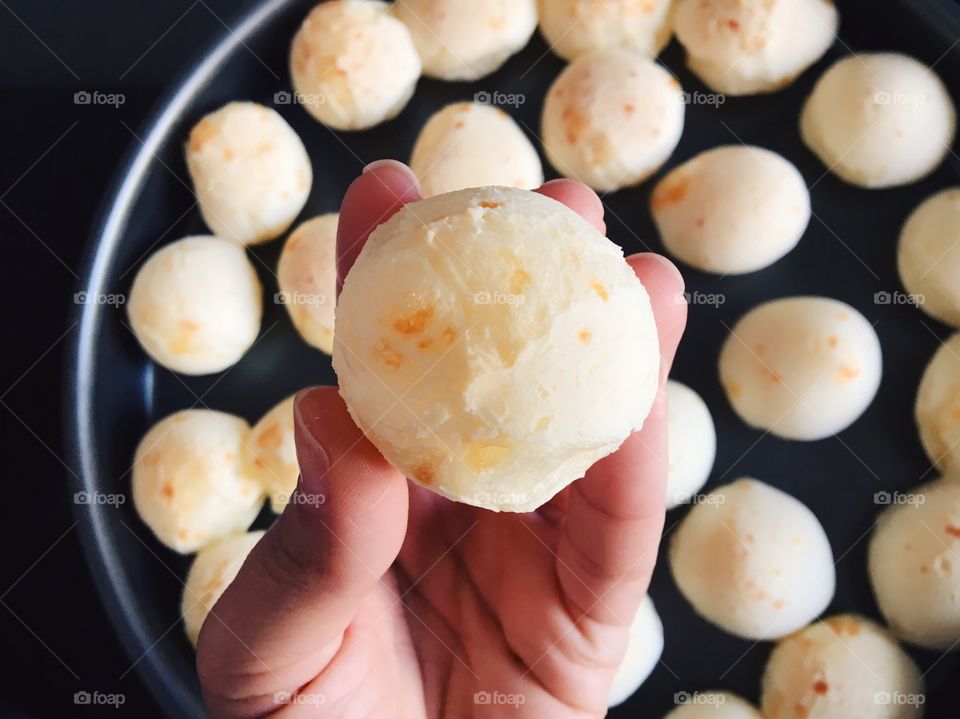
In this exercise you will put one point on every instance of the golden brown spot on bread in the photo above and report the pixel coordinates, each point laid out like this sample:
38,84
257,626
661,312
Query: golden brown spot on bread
844,626
575,123
449,334
846,373
519,281
821,687
415,322
497,23
205,131
584,336
480,456
629,108
182,534
733,25
734,389
388,354
543,423
425,473
270,438
669,192
228,154
952,531
167,490
425,344
832,341
490,204
600,289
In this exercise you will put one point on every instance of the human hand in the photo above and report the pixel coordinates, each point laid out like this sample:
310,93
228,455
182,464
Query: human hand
387,600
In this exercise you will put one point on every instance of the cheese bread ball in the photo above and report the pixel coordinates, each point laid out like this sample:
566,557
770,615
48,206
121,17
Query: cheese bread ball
879,120
845,667
938,407
307,276
753,560
611,119
915,566
212,571
353,64
471,145
714,705
493,345
188,485
802,368
732,209
929,256
467,39
693,443
250,171
746,47
576,27
270,454
195,305
644,647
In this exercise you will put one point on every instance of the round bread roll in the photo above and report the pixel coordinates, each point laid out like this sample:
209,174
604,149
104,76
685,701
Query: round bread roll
714,705
879,120
611,119
753,560
250,171
353,65
915,566
929,256
188,486
450,330
471,145
845,667
195,305
212,571
746,47
577,27
467,39
270,454
802,368
644,647
731,210
693,443
307,277
938,407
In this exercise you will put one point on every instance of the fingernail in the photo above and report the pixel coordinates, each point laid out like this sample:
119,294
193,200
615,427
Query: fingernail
394,165
312,457
667,264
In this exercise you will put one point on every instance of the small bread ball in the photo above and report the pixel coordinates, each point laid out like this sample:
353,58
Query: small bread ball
915,566
212,571
467,39
307,276
802,368
353,64
472,145
270,454
714,705
250,171
929,256
644,647
753,560
845,667
879,120
693,443
611,119
731,210
195,305
746,47
188,485
493,345
938,407
576,27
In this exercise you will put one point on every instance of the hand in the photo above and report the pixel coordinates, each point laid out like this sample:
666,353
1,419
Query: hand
390,601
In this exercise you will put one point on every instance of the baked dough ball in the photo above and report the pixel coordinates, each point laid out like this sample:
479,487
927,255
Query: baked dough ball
576,27
745,47
307,276
212,571
195,305
520,343
915,566
693,443
467,39
471,145
753,560
929,256
844,667
938,407
270,454
644,648
714,705
801,368
879,120
353,64
250,171
611,119
188,486
731,210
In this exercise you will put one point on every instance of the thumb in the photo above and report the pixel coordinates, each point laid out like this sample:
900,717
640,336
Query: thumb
282,619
